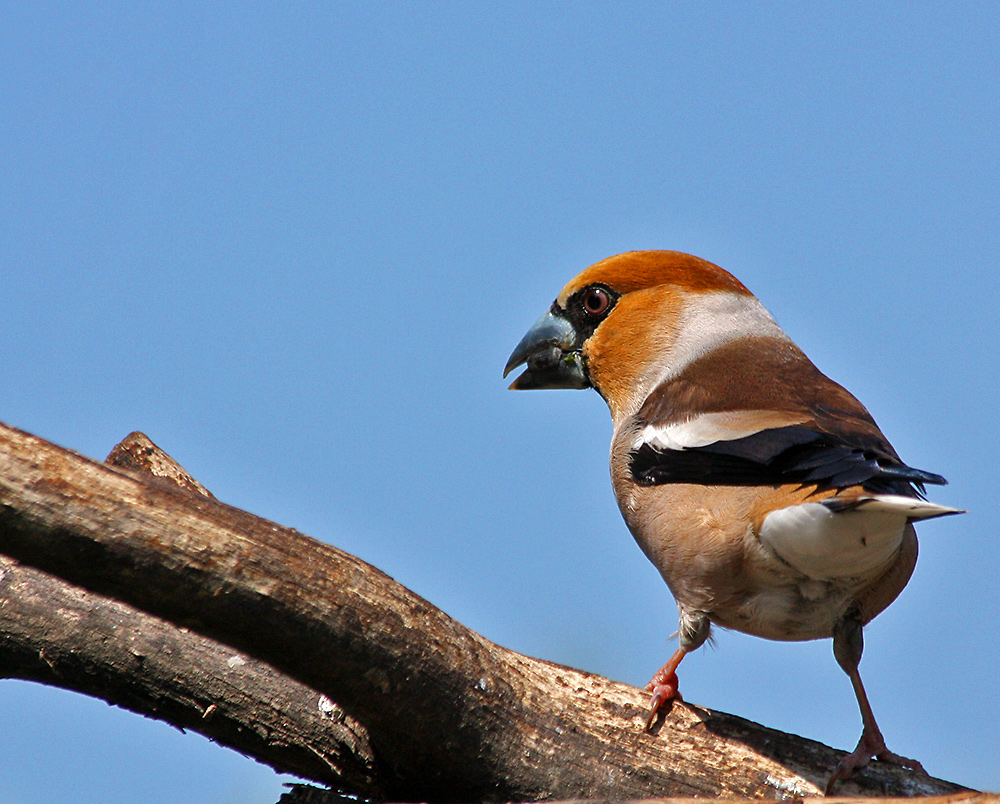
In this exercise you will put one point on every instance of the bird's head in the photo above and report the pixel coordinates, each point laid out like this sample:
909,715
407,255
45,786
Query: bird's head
628,322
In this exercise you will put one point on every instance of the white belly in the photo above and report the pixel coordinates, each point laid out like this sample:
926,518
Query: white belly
793,612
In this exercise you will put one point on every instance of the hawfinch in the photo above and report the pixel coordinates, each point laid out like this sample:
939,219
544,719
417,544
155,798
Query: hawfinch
762,491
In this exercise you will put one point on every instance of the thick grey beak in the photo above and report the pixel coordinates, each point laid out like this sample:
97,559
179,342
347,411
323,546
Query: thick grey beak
553,356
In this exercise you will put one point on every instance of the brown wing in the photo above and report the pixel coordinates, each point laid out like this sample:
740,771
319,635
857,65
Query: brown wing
830,440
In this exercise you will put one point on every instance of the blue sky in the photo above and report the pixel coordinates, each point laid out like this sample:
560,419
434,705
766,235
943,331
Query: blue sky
295,244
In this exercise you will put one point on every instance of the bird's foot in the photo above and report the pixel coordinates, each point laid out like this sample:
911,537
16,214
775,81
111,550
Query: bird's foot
870,746
664,688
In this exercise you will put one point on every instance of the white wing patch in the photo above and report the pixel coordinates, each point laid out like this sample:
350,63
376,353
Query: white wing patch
707,428
843,538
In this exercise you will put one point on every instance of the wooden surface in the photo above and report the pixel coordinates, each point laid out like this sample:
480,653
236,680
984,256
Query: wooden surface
162,599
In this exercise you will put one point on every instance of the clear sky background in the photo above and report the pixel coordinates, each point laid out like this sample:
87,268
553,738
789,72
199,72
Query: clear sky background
295,243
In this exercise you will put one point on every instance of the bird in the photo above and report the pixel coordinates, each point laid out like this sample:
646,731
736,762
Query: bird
763,492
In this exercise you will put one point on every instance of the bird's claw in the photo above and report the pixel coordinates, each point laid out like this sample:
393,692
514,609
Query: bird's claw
664,689
870,746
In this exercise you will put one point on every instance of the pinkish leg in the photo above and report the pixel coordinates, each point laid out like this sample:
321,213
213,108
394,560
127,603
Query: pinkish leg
847,647
663,685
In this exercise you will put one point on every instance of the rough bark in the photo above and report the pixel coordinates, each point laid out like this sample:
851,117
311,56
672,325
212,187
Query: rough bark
56,633
449,716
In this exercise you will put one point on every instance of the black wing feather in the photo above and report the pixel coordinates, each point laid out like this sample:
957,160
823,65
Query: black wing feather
773,457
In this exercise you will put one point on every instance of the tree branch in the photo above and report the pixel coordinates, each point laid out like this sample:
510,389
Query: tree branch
449,715
60,634
56,633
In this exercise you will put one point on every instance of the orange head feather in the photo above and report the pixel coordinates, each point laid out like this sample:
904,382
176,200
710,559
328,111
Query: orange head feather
625,339
628,348
635,270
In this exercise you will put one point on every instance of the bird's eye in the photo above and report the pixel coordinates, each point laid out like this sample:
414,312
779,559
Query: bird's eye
596,301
